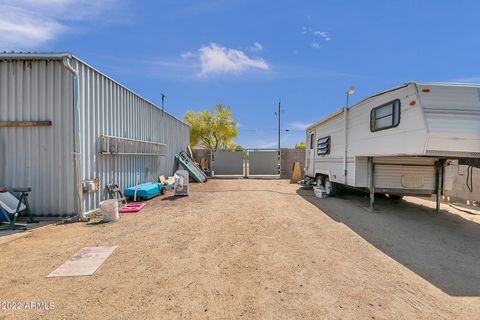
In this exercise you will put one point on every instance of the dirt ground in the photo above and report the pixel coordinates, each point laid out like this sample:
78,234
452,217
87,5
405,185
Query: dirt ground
256,249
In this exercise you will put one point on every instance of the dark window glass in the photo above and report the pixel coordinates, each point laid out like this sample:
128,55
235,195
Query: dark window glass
385,116
311,141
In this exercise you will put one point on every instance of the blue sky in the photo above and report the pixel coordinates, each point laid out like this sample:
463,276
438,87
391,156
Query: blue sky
248,54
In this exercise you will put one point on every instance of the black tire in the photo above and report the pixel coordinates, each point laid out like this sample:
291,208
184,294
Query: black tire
331,188
319,181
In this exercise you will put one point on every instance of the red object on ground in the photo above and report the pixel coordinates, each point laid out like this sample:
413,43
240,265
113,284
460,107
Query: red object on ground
133,207
3,189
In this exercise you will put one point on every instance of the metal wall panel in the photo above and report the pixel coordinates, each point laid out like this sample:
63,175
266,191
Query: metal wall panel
227,163
453,109
107,107
390,176
456,179
263,163
419,161
38,157
452,114
389,172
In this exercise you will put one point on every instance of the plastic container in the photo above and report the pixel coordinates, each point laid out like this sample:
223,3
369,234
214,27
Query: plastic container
133,207
110,210
5,216
145,191
9,203
320,192
181,183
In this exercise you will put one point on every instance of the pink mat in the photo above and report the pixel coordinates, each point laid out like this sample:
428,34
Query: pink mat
133,207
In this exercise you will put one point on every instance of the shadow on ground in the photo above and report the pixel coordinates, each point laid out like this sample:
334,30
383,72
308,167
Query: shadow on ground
5,230
442,248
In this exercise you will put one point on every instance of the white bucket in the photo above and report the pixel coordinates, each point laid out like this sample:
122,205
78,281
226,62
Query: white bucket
110,210
320,192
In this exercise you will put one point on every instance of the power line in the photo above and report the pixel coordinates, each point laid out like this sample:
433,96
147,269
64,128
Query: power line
263,130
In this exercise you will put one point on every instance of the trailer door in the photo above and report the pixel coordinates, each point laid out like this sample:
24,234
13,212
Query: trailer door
310,170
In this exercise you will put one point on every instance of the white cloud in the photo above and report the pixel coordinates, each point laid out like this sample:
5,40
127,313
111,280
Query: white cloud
322,34
188,55
215,59
207,60
299,125
25,24
67,10
19,27
256,47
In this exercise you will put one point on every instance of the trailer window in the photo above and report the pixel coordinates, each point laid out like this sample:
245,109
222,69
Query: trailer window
311,141
385,116
323,146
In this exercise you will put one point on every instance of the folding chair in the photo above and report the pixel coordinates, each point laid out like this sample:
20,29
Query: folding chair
11,207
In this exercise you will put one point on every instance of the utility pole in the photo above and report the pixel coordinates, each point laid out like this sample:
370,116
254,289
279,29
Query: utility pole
279,116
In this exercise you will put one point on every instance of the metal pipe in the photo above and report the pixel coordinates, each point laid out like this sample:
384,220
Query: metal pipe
76,144
371,183
349,92
66,63
345,120
103,136
130,154
137,182
438,191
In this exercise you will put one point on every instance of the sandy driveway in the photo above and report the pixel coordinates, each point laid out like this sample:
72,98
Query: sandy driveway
253,249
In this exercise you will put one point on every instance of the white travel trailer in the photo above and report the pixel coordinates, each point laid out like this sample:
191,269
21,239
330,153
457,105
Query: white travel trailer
396,142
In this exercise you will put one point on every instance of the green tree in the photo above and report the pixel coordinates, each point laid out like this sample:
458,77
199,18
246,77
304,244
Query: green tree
213,130
300,145
238,148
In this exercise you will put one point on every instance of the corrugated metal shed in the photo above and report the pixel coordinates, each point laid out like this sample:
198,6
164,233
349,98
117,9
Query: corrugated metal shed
38,157
37,87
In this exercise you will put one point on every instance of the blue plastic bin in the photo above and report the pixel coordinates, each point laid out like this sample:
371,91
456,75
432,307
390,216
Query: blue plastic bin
145,190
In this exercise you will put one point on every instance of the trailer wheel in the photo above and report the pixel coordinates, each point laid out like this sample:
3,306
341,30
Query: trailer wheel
331,188
319,181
